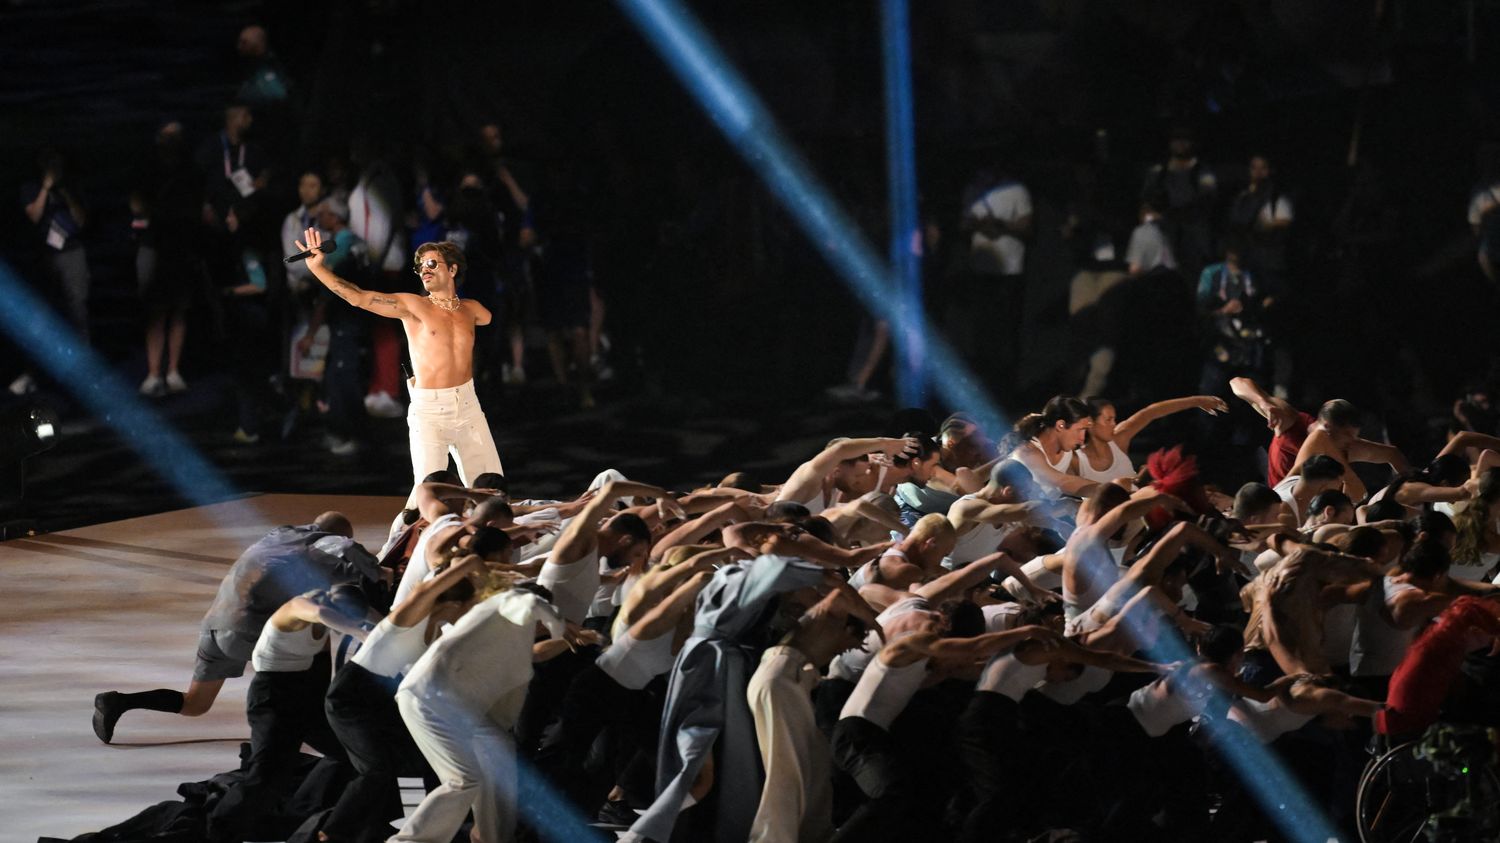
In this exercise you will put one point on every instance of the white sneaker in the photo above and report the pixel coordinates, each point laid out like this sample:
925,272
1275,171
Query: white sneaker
175,383
343,447
382,406
152,387
23,385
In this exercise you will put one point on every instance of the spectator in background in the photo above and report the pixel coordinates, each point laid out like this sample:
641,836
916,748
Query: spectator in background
374,217
1260,218
988,310
1233,305
235,173
518,234
268,89
265,81
1183,189
57,218
166,210
1150,248
298,220
342,381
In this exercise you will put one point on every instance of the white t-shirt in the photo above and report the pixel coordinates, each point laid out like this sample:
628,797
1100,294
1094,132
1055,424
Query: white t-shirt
1008,201
1149,248
573,586
1279,209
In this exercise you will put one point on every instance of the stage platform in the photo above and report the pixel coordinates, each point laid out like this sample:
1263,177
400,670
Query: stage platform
116,607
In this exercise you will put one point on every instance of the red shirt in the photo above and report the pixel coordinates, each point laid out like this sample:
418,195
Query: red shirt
1284,447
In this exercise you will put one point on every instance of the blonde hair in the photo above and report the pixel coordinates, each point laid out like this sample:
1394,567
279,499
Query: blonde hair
495,582
1474,521
683,552
935,526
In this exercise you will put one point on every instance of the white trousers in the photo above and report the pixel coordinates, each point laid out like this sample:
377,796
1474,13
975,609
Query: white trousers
475,761
449,421
797,801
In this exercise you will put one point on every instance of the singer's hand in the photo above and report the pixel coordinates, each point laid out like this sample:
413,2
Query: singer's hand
314,239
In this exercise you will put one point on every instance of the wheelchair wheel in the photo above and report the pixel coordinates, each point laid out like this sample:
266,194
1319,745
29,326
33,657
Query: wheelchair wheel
1400,796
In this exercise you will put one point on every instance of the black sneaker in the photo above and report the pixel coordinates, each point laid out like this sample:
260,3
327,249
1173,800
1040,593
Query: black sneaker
107,713
616,814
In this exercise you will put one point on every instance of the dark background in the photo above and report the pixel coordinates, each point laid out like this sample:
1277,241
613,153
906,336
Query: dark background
726,323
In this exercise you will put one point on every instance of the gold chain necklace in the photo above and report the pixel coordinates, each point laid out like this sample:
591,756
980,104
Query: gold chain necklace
449,305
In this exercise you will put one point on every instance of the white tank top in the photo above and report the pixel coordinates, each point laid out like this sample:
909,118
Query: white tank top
1267,721
277,651
851,664
1284,489
417,568
1010,677
1161,705
1061,466
1037,571
1000,617
634,663
391,650
866,573
1120,466
1379,647
979,540
883,691
1090,680
573,585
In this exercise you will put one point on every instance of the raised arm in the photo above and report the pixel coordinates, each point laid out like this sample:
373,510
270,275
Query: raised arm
1279,415
1363,450
695,530
662,618
423,596
391,305
1126,430
1469,439
952,585
432,499
579,536
807,480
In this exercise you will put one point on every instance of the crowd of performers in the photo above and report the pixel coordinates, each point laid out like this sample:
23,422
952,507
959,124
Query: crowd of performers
929,636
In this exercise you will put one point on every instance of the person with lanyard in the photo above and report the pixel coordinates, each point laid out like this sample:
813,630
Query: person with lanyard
444,416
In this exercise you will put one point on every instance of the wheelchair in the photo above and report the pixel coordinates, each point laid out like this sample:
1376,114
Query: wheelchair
1442,786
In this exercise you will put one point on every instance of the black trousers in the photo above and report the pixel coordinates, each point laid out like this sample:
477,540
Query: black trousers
868,754
994,756
361,710
285,710
594,705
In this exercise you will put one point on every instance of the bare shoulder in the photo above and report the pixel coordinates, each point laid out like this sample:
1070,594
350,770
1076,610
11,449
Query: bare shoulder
480,313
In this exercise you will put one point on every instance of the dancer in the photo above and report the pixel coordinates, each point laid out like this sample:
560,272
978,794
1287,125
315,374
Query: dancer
444,416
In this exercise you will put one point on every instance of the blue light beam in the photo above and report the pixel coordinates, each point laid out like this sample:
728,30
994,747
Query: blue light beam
747,125
901,165
53,346
749,128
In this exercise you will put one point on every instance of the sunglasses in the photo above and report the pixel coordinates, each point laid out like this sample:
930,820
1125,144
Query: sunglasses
430,263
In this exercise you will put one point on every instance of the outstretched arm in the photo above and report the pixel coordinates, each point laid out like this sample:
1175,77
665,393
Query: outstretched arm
423,596
1279,415
392,305
1126,430
808,478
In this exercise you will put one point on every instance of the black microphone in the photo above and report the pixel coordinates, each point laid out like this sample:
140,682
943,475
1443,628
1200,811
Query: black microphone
326,247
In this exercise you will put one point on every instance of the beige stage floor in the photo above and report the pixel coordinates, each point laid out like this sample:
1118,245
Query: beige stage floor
116,607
